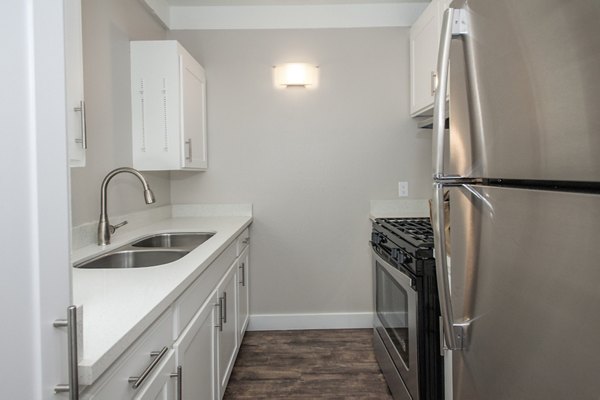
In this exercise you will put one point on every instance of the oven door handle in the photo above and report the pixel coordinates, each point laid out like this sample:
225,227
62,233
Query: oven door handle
395,272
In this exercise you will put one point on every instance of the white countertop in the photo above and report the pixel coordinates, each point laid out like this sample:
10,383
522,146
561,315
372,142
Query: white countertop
120,304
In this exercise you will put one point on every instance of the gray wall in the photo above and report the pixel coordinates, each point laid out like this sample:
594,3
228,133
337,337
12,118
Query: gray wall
108,26
309,160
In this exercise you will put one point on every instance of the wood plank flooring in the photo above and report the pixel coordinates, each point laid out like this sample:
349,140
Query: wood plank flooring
311,364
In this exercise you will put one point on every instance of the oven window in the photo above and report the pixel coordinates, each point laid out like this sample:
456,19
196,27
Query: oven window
392,309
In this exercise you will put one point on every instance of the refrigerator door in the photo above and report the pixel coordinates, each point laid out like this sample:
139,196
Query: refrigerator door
524,91
525,277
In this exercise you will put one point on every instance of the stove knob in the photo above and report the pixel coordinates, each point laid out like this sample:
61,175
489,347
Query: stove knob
378,238
397,255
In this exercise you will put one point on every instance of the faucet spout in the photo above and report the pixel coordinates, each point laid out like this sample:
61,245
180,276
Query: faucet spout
105,229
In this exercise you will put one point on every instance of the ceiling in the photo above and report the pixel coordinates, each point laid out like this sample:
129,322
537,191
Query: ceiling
285,14
281,2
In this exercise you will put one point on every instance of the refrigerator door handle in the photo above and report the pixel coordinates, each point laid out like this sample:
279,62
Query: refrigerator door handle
454,24
454,337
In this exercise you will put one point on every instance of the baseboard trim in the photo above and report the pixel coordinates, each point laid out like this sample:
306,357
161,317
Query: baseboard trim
283,322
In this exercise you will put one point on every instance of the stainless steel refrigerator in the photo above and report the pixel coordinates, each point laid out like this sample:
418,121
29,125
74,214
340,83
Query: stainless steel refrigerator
519,267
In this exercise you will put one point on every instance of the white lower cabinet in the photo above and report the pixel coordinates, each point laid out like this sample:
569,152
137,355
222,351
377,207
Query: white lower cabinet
196,351
193,344
228,335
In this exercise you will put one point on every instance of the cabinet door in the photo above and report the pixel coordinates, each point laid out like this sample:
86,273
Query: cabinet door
76,135
228,336
424,45
193,100
161,385
196,350
168,107
243,293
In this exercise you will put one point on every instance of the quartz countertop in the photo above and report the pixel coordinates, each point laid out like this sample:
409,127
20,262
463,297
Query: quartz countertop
120,304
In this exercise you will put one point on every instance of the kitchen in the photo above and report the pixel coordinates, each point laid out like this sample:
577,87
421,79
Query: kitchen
309,161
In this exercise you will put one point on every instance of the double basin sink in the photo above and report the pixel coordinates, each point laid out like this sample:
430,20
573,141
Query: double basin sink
148,251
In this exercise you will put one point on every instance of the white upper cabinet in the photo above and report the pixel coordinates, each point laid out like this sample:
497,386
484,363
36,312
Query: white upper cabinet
76,134
424,45
168,107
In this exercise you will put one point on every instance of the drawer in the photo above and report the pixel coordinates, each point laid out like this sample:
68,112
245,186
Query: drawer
242,241
114,383
161,383
196,294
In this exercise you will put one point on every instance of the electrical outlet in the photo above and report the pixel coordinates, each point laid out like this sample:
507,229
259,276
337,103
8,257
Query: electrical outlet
403,189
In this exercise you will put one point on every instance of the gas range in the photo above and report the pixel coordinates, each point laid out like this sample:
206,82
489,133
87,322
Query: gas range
406,327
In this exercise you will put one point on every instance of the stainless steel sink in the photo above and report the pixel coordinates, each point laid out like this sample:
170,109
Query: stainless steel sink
149,251
187,241
133,259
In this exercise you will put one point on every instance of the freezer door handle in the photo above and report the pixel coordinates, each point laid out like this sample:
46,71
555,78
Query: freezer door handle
454,24
441,269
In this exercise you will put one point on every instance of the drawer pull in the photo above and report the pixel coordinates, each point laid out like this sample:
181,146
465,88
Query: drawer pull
71,324
219,317
137,381
83,140
246,240
189,155
224,308
243,268
179,376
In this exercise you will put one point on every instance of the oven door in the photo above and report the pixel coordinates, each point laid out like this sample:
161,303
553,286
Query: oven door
396,320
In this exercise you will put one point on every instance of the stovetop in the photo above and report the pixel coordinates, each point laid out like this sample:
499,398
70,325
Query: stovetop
406,239
417,231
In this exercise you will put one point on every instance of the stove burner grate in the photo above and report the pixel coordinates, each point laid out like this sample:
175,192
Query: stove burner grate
415,230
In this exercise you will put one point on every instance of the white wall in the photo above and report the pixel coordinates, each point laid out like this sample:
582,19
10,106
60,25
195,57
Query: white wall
108,26
309,160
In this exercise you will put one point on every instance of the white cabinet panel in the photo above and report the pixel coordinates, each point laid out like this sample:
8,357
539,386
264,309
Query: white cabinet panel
228,335
196,353
424,45
168,107
76,135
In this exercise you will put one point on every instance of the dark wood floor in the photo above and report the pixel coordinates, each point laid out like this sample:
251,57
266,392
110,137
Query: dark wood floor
314,364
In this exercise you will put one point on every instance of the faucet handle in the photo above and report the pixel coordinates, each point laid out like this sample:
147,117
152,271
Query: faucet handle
113,228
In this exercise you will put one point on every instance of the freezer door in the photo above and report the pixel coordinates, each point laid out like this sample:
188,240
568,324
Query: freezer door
524,91
525,276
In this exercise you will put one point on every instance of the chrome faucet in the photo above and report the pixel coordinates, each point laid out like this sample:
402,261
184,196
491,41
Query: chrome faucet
105,229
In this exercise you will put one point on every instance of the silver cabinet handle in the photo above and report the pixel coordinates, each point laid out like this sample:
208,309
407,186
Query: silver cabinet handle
433,82
137,381
246,240
189,143
81,109
71,324
179,376
219,318
243,268
224,308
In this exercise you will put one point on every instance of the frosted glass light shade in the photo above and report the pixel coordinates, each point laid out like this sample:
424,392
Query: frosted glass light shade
295,74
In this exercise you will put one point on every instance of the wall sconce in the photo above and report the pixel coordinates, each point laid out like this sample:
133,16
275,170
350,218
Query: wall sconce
295,74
